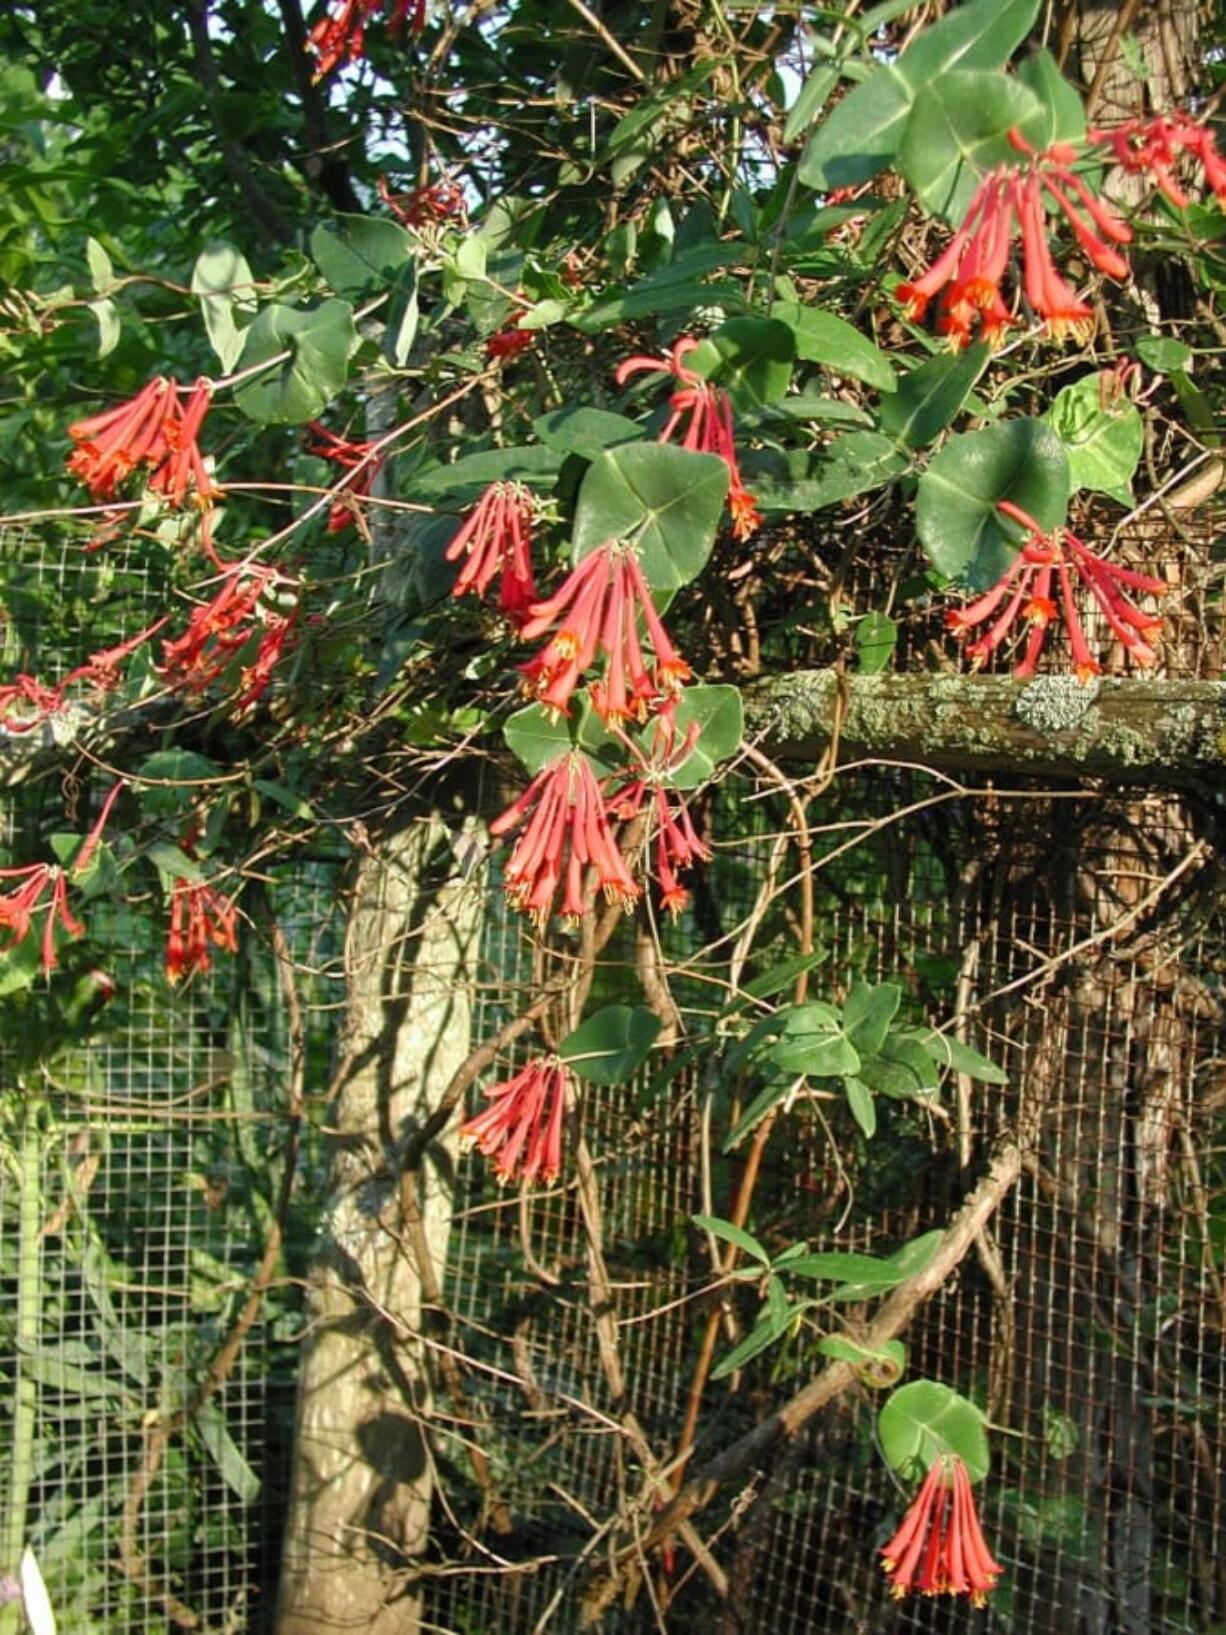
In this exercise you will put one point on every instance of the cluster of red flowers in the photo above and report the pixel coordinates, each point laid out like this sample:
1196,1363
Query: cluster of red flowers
968,274
509,341
357,458
250,620
940,1548
596,609
523,1122
1026,588
677,842
1153,147
709,429
26,702
340,35
155,430
423,206
566,832
497,538
200,919
42,888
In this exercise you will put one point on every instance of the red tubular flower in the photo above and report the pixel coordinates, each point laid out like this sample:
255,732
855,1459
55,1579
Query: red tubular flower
566,833
601,601
522,1127
150,430
1154,146
709,429
200,919
357,458
497,537
26,702
43,888
1026,587
247,618
940,1548
423,206
968,273
510,341
677,842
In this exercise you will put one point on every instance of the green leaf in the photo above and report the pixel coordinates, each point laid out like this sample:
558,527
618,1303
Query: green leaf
101,272
763,1104
317,344
876,1369
468,475
209,1425
1162,354
281,795
665,499
863,1108
745,1241
863,131
868,1012
1103,442
957,131
956,519
655,295
537,737
813,1041
751,358
585,432
721,725
21,964
901,1067
876,639
771,1326
948,1052
611,1045
924,1420
838,1266
179,766
930,396
803,482
780,976
812,99
222,279
402,318
1062,114
825,338
174,862
110,325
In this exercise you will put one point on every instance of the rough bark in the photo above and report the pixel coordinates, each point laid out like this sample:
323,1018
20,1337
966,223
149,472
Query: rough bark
1171,733
361,1486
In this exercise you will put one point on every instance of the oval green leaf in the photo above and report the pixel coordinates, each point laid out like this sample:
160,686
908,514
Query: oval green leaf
923,1420
611,1046
311,350
665,499
1020,460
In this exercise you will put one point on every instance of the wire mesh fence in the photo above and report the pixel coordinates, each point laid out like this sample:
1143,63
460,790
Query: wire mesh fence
1075,933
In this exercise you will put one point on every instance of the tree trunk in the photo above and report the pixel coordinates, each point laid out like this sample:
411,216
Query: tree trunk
361,1485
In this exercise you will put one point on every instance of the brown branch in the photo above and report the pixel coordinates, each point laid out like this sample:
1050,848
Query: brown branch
323,166
892,1319
235,160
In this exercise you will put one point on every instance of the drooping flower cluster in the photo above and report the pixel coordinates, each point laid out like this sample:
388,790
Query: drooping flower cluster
1154,147
26,702
709,428
496,537
940,1548
340,34
355,457
42,888
423,206
248,623
1045,562
200,919
509,341
521,1129
565,834
677,843
154,430
968,274
596,610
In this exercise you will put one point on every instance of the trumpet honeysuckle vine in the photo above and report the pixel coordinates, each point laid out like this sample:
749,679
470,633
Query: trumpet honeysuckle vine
471,464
